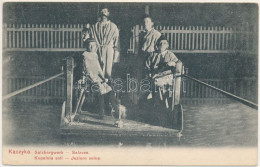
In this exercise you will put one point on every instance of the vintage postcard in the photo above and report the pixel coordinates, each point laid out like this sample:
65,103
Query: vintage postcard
130,83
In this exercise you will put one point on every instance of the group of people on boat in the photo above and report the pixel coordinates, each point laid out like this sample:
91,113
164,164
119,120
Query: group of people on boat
101,41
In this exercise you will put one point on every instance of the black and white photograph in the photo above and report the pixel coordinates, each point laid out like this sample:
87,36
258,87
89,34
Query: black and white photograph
123,75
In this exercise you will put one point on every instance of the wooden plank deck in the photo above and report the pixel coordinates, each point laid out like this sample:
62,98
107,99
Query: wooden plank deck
89,124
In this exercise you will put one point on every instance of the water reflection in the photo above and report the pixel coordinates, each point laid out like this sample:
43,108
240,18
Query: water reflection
209,125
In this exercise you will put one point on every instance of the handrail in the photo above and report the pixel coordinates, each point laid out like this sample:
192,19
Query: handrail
241,100
31,86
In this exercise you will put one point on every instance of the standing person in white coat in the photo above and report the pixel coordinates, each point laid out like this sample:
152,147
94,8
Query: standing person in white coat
148,40
106,34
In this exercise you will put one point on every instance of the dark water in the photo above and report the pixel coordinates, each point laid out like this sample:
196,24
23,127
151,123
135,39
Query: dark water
205,125
220,125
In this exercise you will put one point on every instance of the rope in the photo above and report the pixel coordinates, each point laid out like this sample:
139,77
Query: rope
241,100
31,86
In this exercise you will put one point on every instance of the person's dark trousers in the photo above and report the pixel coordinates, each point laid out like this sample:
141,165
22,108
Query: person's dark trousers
101,105
107,107
113,100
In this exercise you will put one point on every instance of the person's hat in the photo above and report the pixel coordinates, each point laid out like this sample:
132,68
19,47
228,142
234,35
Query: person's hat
162,37
104,12
148,16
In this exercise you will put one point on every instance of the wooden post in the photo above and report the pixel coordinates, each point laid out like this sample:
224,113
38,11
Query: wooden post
146,9
5,36
21,37
13,36
67,37
98,10
52,32
177,119
178,83
186,39
178,43
33,35
136,36
36,36
70,37
63,36
10,37
172,42
48,36
189,43
17,37
59,38
70,65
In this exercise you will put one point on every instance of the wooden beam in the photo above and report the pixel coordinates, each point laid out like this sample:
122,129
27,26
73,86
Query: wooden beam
246,53
45,49
69,76
98,10
147,9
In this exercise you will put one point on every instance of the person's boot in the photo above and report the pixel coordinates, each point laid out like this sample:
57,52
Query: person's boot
119,123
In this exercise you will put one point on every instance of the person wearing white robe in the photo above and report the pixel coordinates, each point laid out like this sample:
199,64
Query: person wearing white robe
106,35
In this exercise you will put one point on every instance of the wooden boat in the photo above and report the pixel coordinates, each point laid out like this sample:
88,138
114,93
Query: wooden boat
88,124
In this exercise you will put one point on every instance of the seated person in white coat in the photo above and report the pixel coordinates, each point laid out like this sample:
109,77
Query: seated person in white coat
99,84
